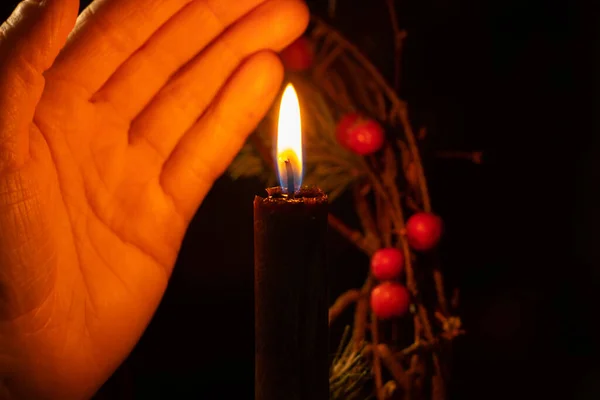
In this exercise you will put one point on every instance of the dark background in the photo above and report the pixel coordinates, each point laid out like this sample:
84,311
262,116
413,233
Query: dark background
504,77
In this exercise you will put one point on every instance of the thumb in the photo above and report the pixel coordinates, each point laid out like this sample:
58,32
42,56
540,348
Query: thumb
30,41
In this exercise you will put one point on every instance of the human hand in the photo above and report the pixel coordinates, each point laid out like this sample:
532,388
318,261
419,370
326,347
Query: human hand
105,155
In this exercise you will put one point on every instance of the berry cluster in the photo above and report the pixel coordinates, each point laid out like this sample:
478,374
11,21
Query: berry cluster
390,298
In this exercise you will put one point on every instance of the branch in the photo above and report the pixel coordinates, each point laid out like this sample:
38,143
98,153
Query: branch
351,235
393,366
412,204
376,358
475,157
440,290
361,313
366,218
438,387
412,145
395,215
399,36
343,301
416,347
390,171
383,220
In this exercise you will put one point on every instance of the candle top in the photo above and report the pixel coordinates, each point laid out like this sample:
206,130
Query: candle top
306,194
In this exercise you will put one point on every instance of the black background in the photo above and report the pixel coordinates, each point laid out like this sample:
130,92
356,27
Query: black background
509,78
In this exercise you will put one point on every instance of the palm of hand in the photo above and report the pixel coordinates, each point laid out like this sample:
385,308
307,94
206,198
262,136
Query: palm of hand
116,162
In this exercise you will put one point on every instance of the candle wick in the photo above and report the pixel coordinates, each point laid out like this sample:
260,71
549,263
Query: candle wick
290,179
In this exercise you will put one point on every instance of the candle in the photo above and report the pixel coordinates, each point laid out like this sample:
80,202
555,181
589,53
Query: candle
290,276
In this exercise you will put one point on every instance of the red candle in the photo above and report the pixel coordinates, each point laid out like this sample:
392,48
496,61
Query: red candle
291,304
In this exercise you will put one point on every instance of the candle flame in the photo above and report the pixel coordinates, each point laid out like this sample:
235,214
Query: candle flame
289,139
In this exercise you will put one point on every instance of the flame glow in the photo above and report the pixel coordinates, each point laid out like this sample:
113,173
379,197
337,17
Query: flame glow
289,138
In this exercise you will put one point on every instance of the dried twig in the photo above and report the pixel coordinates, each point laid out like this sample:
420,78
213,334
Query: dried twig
399,36
351,235
475,157
361,313
383,221
439,287
376,358
395,368
342,302
366,218
416,156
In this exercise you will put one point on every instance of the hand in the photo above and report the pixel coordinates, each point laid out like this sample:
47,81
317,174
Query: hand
107,148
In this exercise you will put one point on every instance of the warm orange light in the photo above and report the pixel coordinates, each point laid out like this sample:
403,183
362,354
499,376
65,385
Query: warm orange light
289,139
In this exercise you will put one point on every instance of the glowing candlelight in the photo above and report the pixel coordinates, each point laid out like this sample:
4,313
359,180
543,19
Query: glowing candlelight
289,142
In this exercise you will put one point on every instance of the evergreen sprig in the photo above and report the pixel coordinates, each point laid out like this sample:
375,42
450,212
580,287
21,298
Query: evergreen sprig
350,372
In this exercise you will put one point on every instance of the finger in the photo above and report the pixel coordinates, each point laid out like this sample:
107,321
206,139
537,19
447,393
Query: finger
178,106
206,150
29,43
135,83
107,33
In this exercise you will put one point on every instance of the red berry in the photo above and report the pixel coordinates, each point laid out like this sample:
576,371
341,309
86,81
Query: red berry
298,56
389,299
360,134
423,231
387,264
